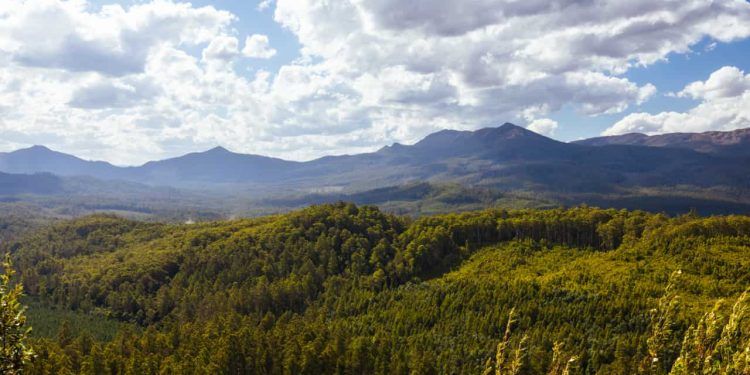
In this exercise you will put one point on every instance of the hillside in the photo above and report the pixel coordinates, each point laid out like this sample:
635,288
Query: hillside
347,289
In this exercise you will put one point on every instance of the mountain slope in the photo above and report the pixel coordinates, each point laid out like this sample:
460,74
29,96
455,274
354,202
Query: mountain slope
734,143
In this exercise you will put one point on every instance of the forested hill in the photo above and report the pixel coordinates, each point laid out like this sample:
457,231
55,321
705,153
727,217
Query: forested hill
345,289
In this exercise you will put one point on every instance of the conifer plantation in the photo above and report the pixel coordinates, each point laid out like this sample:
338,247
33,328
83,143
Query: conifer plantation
346,289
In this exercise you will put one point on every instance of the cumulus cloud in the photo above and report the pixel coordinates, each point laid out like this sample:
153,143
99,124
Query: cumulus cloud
724,105
114,41
543,126
727,82
156,79
257,46
493,60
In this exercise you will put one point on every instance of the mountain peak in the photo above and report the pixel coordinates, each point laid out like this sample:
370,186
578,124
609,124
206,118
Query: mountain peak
510,126
506,141
508,131
37,149
219,149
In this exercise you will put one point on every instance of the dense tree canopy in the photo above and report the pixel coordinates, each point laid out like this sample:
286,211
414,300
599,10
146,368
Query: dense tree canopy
345,289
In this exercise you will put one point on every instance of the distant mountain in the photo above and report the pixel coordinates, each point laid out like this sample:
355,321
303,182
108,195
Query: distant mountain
731,143
513,158
507,157
217,165
448,155
505,142
40,159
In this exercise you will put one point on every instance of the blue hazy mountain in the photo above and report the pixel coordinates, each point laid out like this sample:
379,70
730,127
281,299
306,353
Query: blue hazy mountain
507,157
40,159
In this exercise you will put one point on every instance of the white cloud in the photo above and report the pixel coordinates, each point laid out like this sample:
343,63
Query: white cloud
114,41
113,93
492,61
222,48
264,4
157,79
725,105
257,46
727,82
114,84
543,126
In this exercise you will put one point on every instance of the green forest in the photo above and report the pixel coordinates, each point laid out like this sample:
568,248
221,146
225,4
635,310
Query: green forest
347,289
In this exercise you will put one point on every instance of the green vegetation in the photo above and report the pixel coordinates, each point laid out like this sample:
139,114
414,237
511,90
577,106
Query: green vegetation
345,289
14,353
47,321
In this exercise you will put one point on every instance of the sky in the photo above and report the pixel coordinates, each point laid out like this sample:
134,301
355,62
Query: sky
136,80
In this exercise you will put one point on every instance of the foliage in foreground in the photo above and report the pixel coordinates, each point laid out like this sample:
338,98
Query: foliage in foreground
14,353
347,289
717,344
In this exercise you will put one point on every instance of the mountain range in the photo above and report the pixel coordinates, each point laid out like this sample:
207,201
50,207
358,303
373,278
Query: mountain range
507,158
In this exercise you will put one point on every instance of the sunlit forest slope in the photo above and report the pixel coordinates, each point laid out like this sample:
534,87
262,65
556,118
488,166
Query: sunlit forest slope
348,289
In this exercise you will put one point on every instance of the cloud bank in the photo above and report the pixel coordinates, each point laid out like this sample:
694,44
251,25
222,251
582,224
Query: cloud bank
128,84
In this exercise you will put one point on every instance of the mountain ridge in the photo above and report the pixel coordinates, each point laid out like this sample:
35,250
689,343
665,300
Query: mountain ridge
714,142
508,157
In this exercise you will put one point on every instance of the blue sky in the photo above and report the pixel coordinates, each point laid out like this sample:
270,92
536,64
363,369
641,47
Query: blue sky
670,75
134,80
